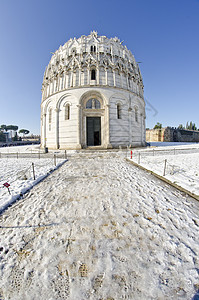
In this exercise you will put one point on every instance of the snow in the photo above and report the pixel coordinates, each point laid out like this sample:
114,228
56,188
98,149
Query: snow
100,228
19,173
182,164
173,144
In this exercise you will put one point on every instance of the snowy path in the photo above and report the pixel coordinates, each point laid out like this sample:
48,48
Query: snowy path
99,228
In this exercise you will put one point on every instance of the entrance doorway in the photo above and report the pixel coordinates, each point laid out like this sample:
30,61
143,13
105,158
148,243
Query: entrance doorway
93,131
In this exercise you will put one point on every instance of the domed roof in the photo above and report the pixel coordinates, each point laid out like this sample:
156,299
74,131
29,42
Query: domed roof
92,50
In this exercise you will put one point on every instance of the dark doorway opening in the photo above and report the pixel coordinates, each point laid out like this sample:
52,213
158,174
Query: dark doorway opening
93,131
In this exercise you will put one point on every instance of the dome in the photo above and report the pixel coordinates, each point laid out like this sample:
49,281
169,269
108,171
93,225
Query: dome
88,55
92,96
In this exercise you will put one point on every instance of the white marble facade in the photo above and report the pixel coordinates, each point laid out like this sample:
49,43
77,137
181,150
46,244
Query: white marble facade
92,96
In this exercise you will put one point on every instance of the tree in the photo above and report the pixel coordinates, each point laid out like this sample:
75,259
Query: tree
3,127
12,127
191,126
2,137
24,131
194,127
158,126
180,126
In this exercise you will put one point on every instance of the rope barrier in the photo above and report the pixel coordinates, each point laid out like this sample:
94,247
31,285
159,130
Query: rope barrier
32,171
168,168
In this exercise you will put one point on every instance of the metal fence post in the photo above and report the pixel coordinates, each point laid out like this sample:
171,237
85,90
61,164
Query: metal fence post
33,170
139,158
165,164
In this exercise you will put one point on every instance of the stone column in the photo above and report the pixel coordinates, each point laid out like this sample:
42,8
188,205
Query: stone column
130,125
88,76
114,80
71,78
50,88
106,76
74,77
64,79
79,126
44,130
62,82
127,82
58,83
80,82
141,119
121,79
57,128
98,75
107,126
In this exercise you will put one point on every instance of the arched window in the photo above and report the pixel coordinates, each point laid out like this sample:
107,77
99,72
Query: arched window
136,114
93,74
119,111
93,104
93,48
67,112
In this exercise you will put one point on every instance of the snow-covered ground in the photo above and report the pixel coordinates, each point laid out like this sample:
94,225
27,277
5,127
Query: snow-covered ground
20,149
181,166
100,228
18,173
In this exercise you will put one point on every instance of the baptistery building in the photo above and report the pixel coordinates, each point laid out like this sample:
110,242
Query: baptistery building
92,96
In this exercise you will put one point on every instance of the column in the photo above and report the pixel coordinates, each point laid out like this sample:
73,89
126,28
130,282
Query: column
141,119
64,79
106,76
98,75
57,128
107,126
80,83
71,78
121,79
127,82
88,76
79,126
130,125
44,130
114,80
74,77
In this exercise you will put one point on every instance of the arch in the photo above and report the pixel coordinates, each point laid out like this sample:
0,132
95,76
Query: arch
93,119
46,107
92,94
63,98
120,98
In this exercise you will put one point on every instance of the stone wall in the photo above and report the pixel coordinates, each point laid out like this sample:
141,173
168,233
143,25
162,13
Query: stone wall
170,134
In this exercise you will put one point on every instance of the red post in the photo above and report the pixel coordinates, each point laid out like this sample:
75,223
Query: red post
7,185
131,154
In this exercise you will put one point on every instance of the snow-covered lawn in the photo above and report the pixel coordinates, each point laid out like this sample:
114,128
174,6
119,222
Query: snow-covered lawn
100,228
22,174
181,165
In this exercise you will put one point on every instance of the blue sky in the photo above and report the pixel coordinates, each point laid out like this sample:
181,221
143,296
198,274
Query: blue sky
162,34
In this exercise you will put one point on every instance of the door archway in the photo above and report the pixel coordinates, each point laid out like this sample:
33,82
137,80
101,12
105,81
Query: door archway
93,129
